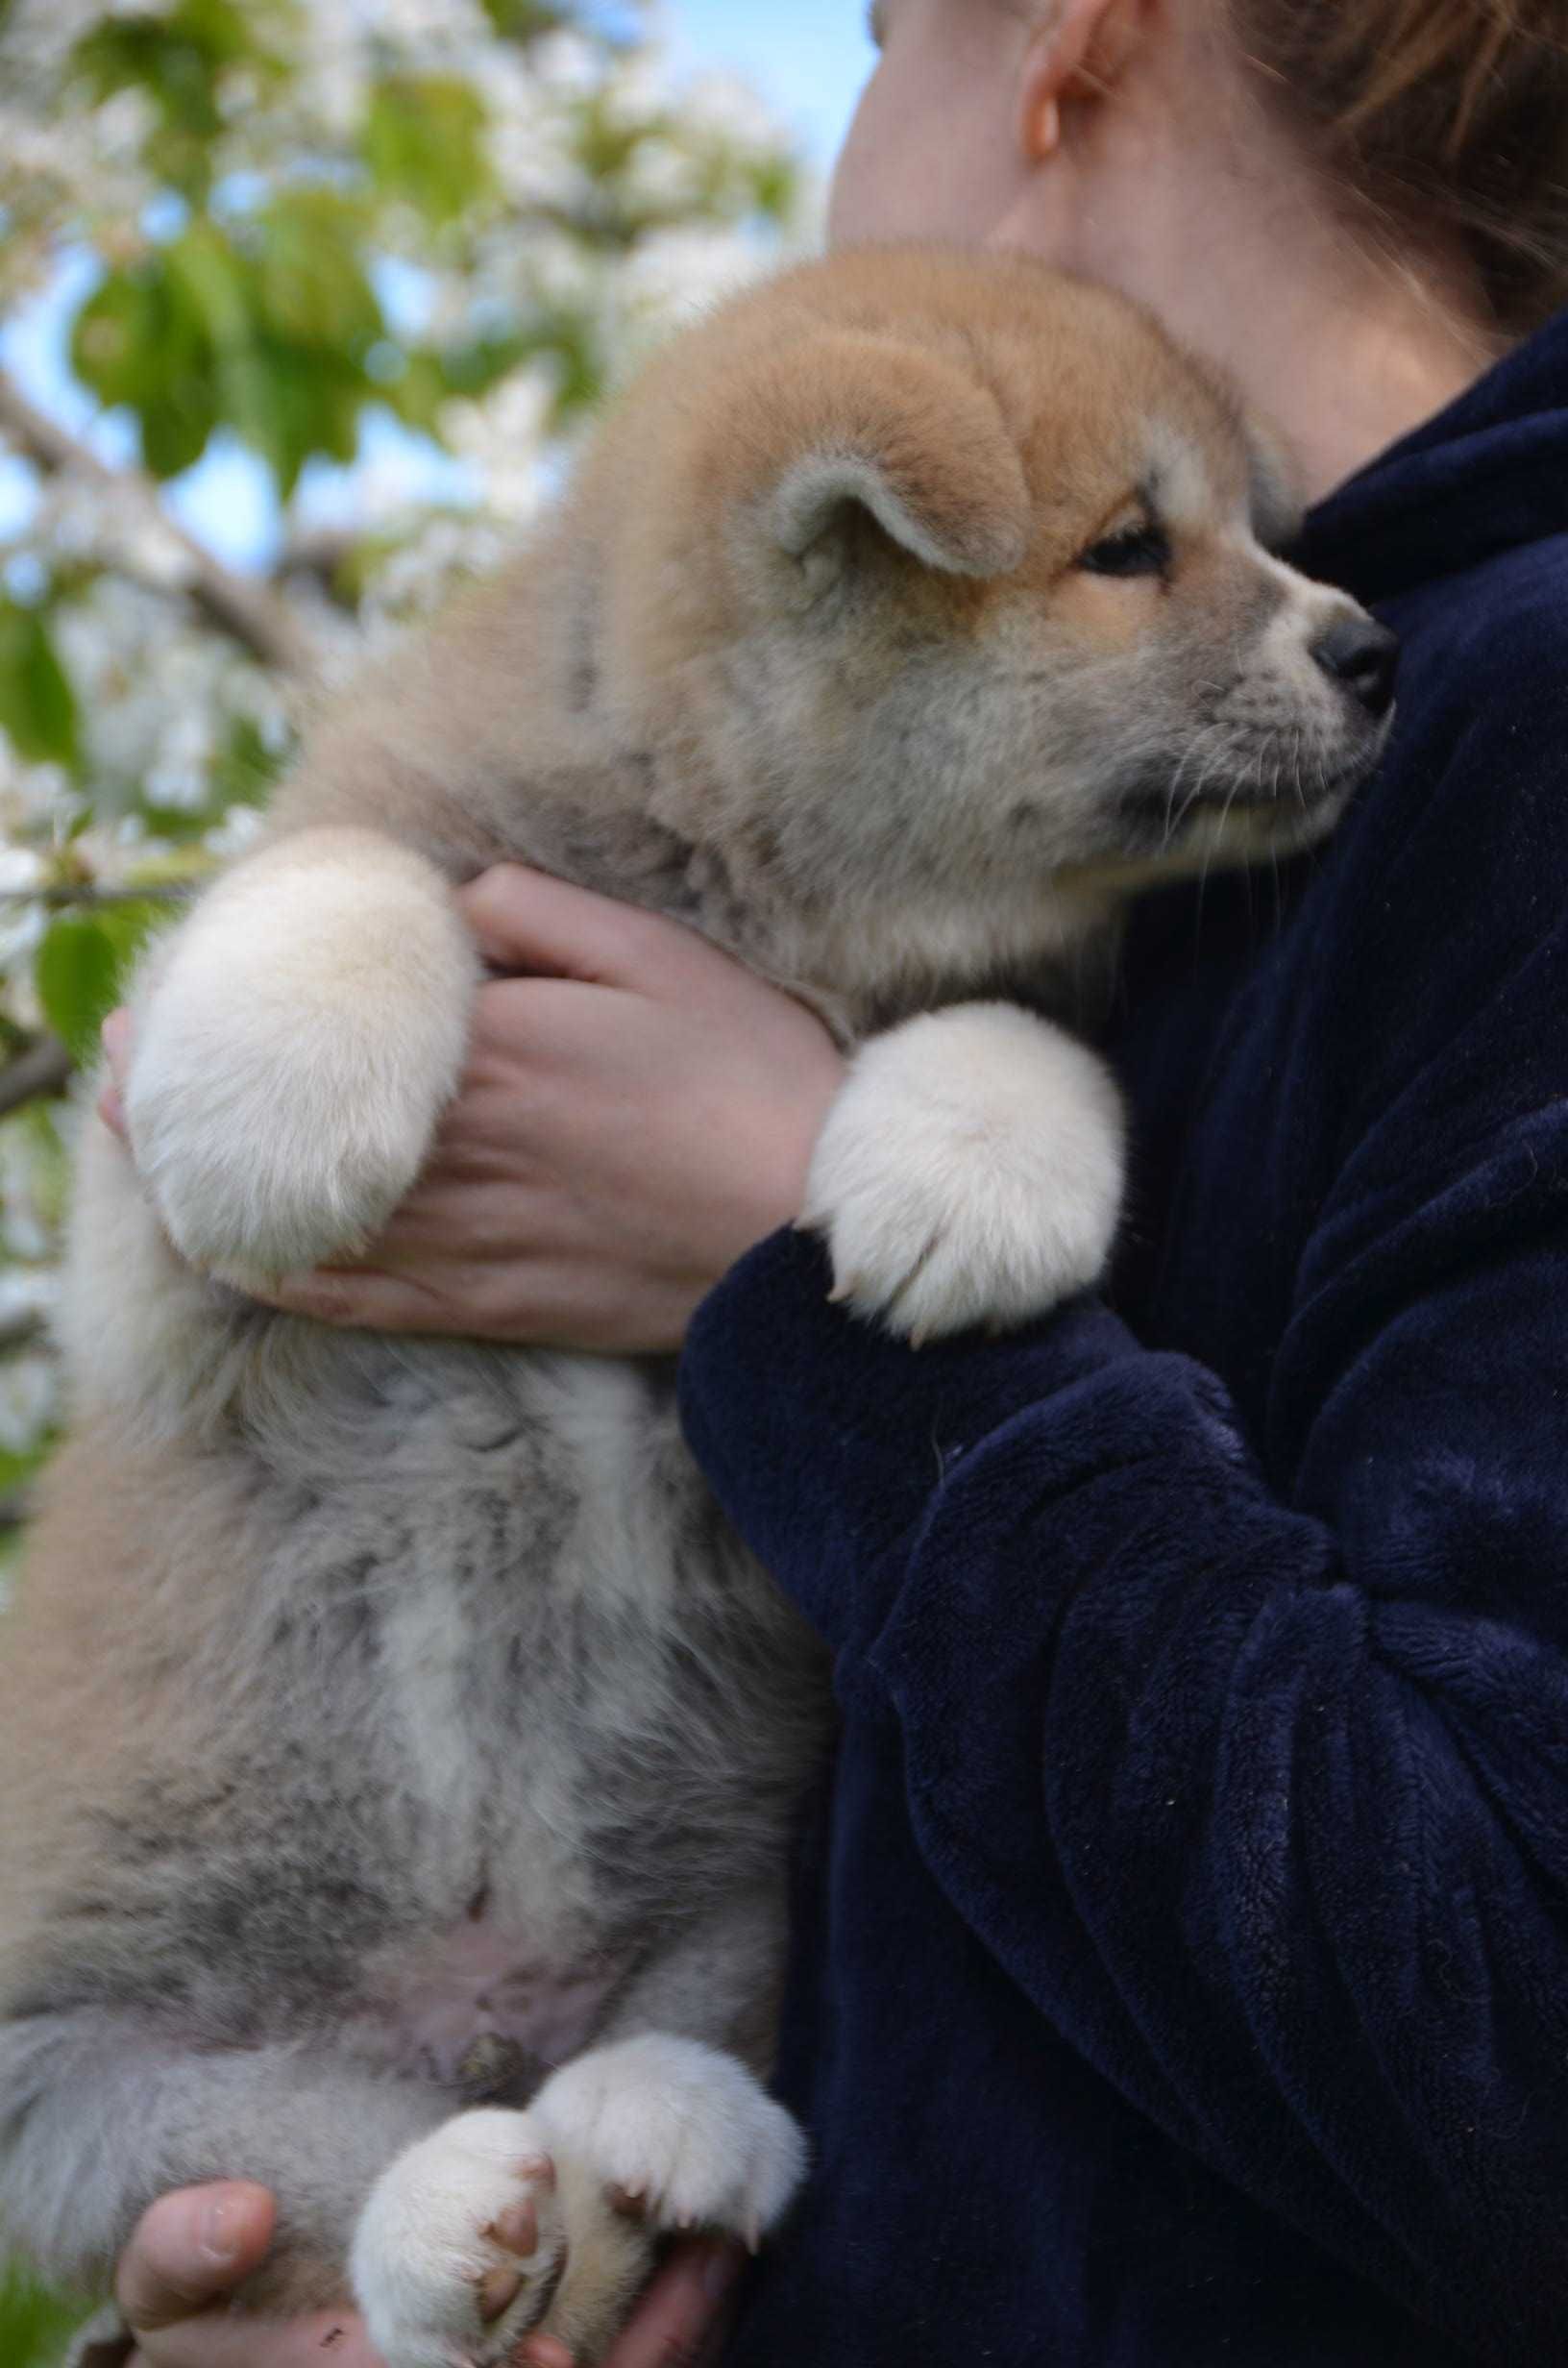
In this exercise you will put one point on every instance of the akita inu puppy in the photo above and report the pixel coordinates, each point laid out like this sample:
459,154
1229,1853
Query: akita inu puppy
397,1750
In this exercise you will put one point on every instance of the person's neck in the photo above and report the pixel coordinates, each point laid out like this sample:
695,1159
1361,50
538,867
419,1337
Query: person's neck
1345,353
1230,240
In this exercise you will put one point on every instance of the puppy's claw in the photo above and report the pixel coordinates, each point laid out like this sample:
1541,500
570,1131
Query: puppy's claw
844,1291
517,2232
499,2289
538,2170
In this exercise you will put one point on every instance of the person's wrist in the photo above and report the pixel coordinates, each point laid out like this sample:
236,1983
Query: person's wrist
782,1174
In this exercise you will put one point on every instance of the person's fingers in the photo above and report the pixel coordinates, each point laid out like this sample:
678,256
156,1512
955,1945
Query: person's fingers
542,2352
115,1037
685,2311
525,921
327,2339
362,1299
190,2249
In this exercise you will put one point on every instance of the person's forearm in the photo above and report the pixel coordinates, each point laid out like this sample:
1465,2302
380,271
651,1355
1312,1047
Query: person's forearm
1207,1786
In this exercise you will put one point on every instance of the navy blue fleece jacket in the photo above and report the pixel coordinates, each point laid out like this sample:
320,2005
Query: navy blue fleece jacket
1182,1961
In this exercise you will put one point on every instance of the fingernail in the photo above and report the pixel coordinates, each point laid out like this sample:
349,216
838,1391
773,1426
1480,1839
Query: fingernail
218,2232
542,2352
721,2271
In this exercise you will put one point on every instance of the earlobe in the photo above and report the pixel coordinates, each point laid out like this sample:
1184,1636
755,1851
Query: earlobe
1040,110
1077,54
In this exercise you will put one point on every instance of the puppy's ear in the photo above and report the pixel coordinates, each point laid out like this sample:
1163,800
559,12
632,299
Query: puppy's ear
1276,495
859,423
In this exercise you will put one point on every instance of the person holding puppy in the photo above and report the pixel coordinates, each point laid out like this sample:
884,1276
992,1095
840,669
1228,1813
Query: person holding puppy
1181,1956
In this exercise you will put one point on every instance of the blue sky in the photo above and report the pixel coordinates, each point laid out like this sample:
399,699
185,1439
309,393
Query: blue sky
807,58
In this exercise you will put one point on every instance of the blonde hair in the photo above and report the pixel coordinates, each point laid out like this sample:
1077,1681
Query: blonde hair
1450,118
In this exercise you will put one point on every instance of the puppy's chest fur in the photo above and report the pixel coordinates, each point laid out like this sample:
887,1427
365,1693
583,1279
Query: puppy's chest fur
510,1709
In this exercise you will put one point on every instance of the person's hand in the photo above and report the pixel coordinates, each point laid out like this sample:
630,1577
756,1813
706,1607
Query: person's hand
192,2250
637,1110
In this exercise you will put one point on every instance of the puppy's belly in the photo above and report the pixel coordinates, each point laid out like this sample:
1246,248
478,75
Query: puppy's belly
483,2014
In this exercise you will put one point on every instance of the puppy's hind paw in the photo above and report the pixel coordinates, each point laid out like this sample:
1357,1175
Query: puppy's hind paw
461,2245
680,2133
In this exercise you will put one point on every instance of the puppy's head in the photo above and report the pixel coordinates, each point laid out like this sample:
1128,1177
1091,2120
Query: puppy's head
984,575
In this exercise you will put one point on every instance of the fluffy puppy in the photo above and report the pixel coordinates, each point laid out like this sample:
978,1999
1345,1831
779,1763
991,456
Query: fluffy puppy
398,1751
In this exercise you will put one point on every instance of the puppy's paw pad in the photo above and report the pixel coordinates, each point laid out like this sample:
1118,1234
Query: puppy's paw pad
970,1172
678,2133
460,2246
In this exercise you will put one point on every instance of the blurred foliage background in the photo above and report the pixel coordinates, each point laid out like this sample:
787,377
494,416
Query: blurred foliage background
385,254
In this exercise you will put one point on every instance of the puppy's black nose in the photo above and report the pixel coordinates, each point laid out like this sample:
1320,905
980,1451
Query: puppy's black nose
1362,655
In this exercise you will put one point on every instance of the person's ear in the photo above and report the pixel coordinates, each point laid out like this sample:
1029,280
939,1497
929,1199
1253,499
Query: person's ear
1078,52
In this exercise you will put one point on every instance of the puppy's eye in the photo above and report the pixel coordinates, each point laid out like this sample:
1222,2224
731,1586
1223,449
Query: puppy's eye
1141,550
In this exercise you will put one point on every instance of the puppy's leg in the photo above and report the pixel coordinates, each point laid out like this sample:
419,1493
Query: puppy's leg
101,2113
295,1044
139,1331
971,1171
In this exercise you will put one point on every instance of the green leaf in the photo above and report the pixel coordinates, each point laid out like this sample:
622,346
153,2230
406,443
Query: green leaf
211,285
775,184
33,2328
245,768
424,140
524,20
119,340
175,427
76,971
142,338
311,286
37,705
80,965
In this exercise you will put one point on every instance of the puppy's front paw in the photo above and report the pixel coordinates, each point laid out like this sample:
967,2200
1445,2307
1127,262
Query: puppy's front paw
678,2131
971,1171
300,1038
265,1155
460,2246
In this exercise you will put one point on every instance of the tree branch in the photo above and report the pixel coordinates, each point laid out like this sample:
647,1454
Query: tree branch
45,1067
245,611
20,1331
82,898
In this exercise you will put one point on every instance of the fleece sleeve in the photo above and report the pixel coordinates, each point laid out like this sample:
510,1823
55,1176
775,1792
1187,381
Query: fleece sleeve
1258,1790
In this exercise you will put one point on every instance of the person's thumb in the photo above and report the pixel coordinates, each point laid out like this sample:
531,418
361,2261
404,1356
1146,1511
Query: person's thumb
190,2250
530,925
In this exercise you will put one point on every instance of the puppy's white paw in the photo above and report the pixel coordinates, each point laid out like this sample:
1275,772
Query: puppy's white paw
460,2246
299,1040
678,2131
970,1172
